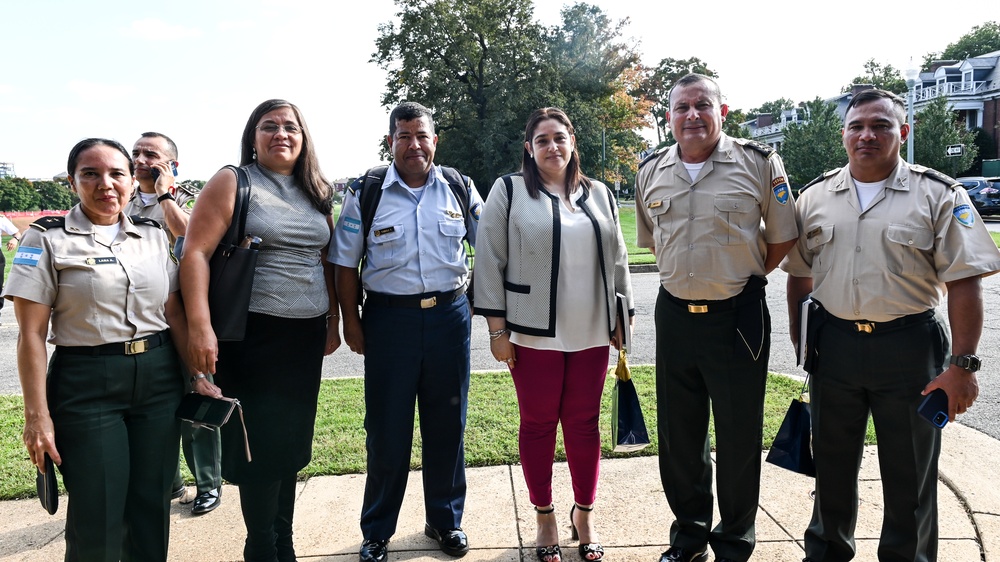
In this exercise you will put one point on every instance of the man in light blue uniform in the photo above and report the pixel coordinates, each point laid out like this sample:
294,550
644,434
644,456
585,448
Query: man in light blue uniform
414,330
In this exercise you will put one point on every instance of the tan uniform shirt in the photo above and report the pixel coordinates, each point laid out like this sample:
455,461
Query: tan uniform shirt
891,259
707,233
99,293
185,200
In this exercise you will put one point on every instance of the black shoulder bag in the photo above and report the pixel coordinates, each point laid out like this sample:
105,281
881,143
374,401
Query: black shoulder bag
232,269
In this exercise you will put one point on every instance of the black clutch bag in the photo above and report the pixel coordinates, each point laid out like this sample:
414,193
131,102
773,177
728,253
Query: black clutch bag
45,485
206,411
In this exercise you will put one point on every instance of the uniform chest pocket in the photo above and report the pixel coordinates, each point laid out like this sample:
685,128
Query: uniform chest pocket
450,241
908,250
657,211
386,247
737,219
818,240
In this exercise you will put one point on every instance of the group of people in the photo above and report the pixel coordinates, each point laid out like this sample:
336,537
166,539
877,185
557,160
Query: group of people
716,211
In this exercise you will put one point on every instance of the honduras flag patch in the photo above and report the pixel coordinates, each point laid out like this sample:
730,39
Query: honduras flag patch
964,214
26,255
351,225
780,189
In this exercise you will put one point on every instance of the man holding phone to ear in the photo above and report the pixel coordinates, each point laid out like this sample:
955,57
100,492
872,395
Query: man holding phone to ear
159,198
881,243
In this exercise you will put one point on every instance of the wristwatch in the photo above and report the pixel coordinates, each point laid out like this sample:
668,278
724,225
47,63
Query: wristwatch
970,363
166,195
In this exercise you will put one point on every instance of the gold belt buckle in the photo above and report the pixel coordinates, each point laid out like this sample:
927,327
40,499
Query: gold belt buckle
866,327
697,308
429,302
136,347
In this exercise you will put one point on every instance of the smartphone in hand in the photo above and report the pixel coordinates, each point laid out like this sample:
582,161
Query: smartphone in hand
934,408
155,172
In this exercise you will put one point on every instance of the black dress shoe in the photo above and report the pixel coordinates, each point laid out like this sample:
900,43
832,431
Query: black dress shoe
374,550
207,501
452,541
674,554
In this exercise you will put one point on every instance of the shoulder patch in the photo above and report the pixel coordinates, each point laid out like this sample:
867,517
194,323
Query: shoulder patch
780,189
965,215
760,147
46,223
136,219
938,176
820,178
653,156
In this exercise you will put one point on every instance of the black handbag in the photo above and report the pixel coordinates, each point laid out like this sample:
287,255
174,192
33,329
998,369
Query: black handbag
231,269
792,447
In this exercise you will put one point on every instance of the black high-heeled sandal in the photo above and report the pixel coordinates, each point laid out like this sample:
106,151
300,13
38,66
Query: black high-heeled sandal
589,549
549,553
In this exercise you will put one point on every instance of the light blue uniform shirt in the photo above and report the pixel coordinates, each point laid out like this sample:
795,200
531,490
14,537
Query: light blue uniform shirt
415,243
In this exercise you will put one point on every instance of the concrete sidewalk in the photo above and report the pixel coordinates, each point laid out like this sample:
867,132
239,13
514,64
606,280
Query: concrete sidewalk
632,514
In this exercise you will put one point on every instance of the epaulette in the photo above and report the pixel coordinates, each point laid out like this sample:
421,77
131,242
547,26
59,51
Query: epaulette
356,184
820,178
136,219
765,149
936,175
45,223
653,156
191,189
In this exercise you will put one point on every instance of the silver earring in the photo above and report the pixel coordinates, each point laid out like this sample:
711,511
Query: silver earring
254,153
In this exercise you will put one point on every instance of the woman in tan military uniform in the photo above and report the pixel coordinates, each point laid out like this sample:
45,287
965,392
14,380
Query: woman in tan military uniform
105,410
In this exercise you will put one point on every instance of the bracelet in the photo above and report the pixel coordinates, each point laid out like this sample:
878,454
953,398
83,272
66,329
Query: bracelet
198,377
498,334
166,195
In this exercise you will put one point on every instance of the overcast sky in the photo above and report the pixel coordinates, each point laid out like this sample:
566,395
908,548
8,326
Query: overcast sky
194,70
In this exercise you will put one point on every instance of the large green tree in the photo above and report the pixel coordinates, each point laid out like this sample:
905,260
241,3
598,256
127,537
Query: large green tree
813,147
881,76
17,194
656,86
733,125
982,39
481,66
595,71
54,196
935,129
484,65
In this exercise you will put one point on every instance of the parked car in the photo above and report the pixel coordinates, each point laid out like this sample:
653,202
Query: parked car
985,194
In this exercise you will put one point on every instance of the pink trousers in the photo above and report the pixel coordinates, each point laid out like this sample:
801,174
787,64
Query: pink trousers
554,387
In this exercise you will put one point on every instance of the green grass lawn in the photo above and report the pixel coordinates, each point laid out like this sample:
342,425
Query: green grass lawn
339,442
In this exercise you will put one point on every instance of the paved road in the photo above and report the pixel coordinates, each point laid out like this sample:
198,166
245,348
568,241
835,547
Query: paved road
985,415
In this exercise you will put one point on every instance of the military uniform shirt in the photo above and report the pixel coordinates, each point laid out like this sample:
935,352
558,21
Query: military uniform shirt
707,234
892,259
98,293
415,245
184,198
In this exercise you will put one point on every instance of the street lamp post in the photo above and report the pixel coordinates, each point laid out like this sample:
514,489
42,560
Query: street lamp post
911,86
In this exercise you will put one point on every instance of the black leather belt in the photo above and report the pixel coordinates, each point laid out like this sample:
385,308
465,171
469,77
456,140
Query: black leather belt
703,307
133,347
426,300
869,327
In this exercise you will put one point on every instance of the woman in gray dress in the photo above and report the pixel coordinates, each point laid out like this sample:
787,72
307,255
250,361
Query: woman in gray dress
275,371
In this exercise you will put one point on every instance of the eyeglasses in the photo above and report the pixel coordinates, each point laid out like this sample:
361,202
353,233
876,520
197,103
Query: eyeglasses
272,128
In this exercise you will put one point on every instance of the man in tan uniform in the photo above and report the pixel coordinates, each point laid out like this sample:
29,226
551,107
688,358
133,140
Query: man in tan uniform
880,240
160,199
700,205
